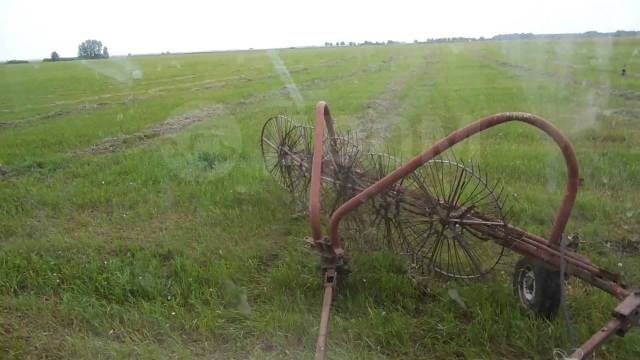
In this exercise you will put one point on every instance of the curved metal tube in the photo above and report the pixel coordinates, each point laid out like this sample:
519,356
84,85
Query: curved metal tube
562,214
323,117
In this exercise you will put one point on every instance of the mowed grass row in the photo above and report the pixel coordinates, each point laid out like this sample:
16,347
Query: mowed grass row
186,248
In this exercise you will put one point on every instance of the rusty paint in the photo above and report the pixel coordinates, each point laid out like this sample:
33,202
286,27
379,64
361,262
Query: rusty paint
626,314
562,214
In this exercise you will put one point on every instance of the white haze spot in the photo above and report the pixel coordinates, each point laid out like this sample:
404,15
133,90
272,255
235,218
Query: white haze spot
597,98
564,57
285,76
455,48
588,116
122,70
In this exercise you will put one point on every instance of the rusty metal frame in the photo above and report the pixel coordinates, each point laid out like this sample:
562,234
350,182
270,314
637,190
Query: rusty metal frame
625,315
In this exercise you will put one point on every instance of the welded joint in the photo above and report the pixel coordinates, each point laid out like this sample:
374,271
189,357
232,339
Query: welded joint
330,277
573,242
329,257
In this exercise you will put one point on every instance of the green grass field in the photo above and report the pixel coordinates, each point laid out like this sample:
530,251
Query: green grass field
124,237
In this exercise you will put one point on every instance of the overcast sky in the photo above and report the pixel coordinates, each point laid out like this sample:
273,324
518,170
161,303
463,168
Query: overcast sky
33,29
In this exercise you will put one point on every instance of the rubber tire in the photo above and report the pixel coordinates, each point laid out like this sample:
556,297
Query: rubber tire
546,295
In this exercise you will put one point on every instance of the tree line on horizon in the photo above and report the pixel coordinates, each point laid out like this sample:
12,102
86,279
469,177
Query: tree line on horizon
513,36
87,50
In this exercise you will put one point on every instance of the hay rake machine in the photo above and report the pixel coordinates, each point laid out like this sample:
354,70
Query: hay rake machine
443,213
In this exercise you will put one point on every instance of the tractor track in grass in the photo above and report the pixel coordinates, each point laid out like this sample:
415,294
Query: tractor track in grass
92,102
144,137
97,102
170,126
84,108
383,113
386,101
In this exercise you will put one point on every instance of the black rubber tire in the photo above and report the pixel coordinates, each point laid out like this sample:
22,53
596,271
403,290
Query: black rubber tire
537,287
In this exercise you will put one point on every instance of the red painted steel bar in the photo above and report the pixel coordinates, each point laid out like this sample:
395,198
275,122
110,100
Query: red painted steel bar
586,349
562,215
323,117
626,315
323,331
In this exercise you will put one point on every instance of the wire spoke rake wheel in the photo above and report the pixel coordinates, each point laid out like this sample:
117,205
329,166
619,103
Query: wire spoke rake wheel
343,171
447,209
286,151
377,229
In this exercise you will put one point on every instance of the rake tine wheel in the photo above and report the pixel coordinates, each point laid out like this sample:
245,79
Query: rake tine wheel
443,220
376,229
286,152
344,173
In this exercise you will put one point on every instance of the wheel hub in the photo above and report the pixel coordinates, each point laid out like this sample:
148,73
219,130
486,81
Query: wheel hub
527,285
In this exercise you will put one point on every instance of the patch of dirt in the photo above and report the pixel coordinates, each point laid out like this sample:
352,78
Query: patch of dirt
632,246
170,126
627,94
624,112
6,124
4,171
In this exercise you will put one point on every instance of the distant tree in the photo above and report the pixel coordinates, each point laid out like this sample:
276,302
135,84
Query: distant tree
342,43
90,49
105,52
55,56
